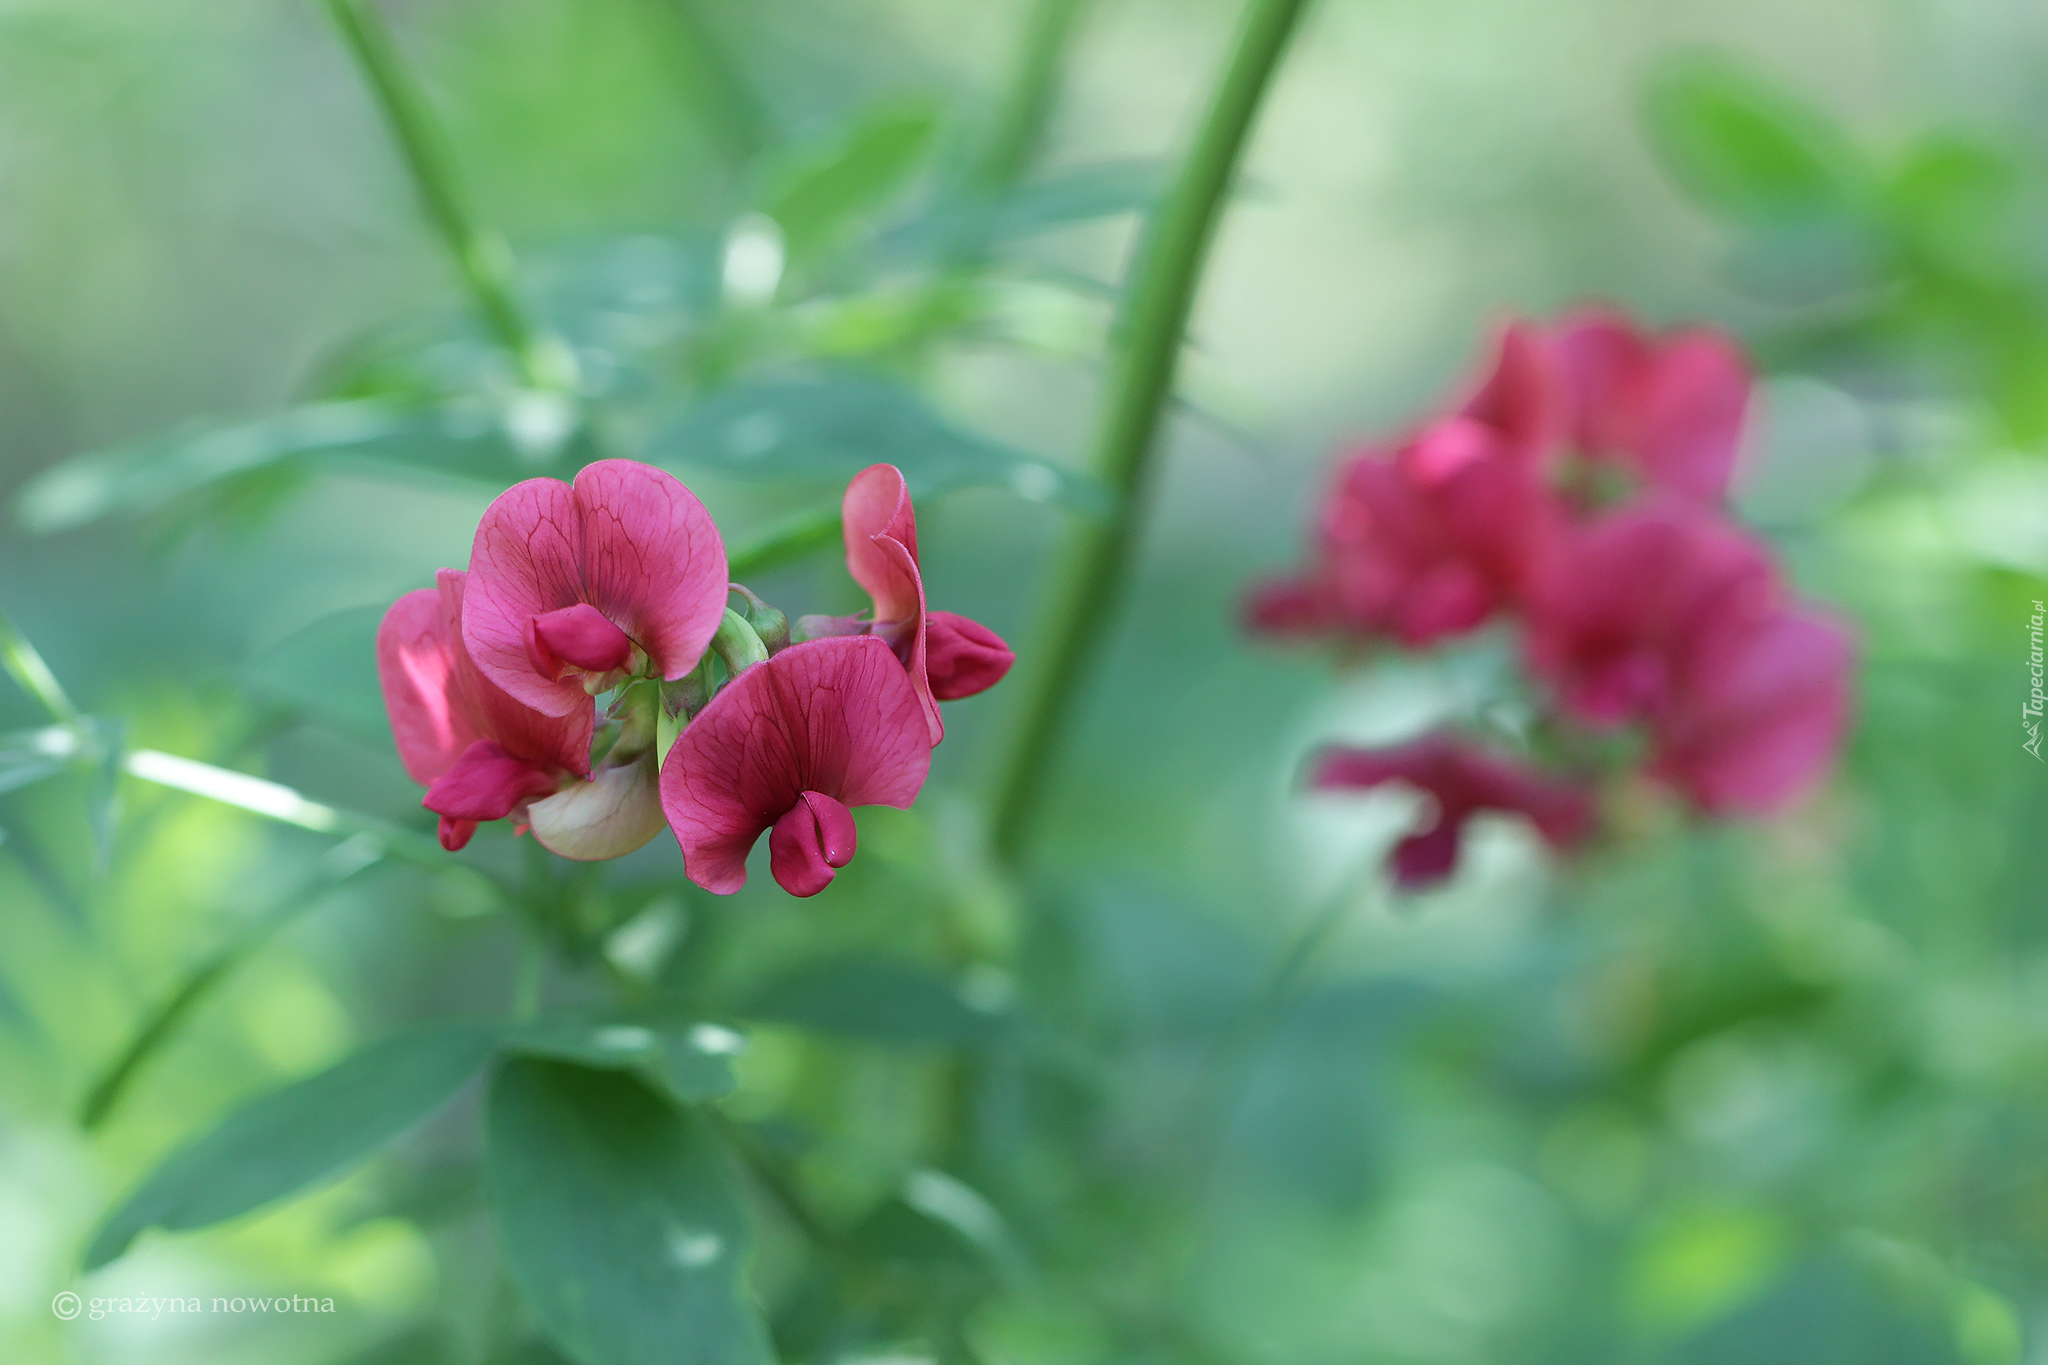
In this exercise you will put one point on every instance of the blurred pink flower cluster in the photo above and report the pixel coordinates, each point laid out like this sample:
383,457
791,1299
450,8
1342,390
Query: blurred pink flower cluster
723,724
1578,493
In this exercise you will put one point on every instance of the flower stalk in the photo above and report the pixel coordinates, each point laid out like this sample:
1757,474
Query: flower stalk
1094,564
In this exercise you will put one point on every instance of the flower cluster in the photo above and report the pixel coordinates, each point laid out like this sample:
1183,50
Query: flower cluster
719,722
1578,492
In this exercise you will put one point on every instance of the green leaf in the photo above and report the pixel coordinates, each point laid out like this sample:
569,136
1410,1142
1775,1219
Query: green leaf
825,424
28,756
328,670
468,442
818,191
618,1218
688,1059
284,1141
1079,194
1747,148
876,999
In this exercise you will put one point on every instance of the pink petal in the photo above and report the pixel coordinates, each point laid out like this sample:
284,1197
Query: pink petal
877,504
628,540
1519,398
416,665
1760,717
1694,402
1600,357
487,783
837,716
440,704
578,636
814,837
963,657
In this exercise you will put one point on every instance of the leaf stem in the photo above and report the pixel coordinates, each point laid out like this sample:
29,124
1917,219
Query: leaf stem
1027,107
35,677
481,255
1095,561
339,864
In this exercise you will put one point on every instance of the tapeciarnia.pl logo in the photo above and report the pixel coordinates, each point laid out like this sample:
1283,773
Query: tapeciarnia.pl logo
2030,714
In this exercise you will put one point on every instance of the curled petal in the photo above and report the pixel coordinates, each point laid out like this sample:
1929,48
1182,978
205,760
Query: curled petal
837,717
813,839
627,540
877,507
609,816
576,637
963,657
487,783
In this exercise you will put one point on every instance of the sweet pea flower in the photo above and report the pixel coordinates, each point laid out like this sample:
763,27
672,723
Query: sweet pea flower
946,655
1758,716
482,755
1632,601
575,587
788,746
1461,781
1426,542
1668,408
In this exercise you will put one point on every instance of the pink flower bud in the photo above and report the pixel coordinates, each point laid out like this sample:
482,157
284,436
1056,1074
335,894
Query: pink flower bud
963,657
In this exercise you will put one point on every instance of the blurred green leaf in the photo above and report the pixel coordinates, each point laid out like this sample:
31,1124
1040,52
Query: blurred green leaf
31,755
816,192
472,443
1079,194
328,670
875,999
1746,148
689,1059
827,423
288,1139
619,1219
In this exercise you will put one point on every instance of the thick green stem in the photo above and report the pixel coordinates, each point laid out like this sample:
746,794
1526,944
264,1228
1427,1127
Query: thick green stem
482,256
36,679
1095,562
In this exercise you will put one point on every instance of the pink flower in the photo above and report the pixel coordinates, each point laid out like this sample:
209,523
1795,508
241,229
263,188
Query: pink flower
790,744
480,754
573,588
1759,715
1668,408
1426,543
1462,780
947,656
1629,603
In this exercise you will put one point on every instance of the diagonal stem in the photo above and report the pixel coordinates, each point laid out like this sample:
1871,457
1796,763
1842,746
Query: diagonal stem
481,255
1095,562
36,679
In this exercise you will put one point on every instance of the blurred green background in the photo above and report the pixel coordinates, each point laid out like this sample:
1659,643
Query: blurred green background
1729,1096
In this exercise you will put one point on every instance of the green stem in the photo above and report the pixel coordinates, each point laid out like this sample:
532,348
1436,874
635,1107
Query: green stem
35,677
341,863
1095,561
1028,107
482,256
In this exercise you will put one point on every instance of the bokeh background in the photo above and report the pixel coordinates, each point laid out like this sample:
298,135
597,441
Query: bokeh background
1729,1096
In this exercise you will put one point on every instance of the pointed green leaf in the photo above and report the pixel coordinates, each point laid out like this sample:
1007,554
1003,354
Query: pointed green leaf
328,670
818,191
875,999
825,424
618,1218
288,1139
688,1059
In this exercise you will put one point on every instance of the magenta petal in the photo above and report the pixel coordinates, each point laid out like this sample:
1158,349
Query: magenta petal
416,662
578,636
877,505
1519,398
628,540
487,783
962,656
1422,860
440,703
815,837
455,834
1694,401
837,717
